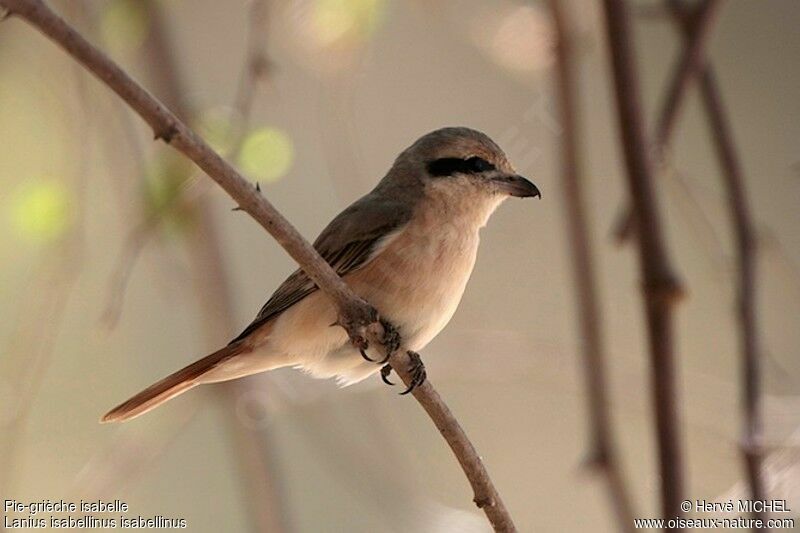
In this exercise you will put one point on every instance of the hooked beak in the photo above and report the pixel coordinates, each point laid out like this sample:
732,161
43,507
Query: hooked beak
517,186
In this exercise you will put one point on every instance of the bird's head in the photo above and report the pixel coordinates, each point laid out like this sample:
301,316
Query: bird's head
462,161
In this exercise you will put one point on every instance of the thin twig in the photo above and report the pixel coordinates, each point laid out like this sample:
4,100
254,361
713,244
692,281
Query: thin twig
33,340
746,251
355,315
661,287
214,292
603,452
255,69
689,64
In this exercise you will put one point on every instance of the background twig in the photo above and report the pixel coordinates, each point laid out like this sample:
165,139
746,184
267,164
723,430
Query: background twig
661,287
213,285
602,452
697,32
746,258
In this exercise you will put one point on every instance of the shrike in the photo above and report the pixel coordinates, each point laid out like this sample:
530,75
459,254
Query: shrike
408,248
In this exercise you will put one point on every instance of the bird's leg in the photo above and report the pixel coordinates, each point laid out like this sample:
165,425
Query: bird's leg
417,371
385,371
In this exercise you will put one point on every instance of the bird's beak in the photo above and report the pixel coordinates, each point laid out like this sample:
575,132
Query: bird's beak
517,186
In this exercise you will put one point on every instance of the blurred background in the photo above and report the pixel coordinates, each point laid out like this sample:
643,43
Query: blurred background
120,263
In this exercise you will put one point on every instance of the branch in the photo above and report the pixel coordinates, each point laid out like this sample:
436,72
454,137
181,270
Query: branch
355,315
697,32
746,250
251,449
661,287
255,69
690,63
603,452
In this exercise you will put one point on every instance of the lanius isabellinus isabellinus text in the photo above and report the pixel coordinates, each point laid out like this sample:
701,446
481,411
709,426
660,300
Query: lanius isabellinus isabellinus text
408,248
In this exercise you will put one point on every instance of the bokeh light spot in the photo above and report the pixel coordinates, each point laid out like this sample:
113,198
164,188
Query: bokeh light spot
516,37
124,25
334,20
41,210
217,125
164,183
267,154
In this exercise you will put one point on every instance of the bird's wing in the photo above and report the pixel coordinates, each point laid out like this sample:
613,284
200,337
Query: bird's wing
346,244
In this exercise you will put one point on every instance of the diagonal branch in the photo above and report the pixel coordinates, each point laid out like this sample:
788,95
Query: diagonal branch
661,286
690,63
603,453
697,32
355,315
255,70
166,126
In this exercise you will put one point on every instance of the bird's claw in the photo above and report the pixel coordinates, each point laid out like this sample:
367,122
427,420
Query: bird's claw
385,371
417,371
391,341
365,356
362,344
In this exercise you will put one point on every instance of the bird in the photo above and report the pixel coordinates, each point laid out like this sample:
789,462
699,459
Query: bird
408,247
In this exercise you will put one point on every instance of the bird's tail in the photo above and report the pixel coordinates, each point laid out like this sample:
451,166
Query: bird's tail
172,385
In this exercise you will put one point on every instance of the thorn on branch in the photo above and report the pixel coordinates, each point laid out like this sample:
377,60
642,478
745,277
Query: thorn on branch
483,501
166,134
258,187
5,13
237,208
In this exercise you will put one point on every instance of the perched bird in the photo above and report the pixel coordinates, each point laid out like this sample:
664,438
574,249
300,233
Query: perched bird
408,248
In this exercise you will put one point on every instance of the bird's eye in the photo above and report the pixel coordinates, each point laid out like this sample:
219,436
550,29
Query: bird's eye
477,164
447,166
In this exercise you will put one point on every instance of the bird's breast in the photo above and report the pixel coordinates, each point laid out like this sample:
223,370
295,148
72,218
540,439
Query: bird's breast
418,276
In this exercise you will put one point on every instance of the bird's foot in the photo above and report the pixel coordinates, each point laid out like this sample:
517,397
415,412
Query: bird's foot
390,340
417,371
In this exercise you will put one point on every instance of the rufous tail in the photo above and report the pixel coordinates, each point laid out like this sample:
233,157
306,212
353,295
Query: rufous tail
171,386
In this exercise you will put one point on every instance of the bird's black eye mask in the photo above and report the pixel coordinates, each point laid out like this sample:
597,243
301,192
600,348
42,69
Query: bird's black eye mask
447,166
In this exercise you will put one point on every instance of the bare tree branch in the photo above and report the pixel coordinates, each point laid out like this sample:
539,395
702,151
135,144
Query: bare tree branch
689,64
691,61
603,453
661,287
746,253
355,315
